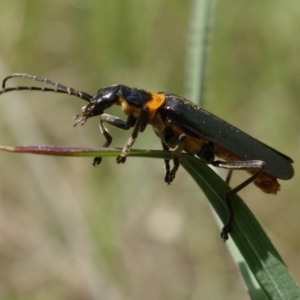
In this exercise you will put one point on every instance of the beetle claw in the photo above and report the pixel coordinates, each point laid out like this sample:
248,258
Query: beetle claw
97,161
121,159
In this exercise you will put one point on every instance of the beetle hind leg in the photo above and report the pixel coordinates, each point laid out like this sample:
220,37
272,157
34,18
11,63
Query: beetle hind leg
255,165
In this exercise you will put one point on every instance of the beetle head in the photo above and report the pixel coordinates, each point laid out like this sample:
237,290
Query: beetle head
105,98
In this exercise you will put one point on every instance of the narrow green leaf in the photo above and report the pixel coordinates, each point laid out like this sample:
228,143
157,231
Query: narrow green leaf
84,151
260,255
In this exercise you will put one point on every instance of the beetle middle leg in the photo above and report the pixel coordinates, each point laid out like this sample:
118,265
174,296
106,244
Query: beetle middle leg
178,143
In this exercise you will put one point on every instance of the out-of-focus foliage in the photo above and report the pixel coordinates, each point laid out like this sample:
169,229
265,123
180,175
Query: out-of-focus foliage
71,231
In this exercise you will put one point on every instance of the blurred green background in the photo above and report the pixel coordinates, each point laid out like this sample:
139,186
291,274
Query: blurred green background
71,231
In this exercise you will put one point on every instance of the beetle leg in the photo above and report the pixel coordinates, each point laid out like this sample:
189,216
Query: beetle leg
144,119
237,165
177,142
167,163
228,177
140,125
114,121
180,141
173,170
206,153
170,173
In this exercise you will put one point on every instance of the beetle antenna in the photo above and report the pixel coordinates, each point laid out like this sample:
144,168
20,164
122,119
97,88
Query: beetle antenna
59,88
78,94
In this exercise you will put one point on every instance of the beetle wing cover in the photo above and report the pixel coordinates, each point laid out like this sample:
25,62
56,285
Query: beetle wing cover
198,122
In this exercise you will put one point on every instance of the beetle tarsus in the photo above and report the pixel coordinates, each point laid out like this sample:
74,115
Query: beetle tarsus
225,231
121,159
167,176
170,175
97,161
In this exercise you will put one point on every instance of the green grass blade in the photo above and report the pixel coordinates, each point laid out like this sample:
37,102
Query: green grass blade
198,50
260,255
253,287
195,87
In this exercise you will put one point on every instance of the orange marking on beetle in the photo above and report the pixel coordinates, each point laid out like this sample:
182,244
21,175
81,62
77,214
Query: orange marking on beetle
157,101
154,104
267,183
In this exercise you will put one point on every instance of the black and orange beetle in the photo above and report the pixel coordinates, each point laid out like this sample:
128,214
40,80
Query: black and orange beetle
181,126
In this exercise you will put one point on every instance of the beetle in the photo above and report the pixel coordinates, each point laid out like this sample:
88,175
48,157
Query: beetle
181,126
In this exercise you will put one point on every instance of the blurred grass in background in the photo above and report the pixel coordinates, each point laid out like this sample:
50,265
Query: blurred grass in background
71,231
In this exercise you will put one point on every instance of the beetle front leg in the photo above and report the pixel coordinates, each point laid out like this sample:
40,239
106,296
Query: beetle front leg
140,125
114,121
108,137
